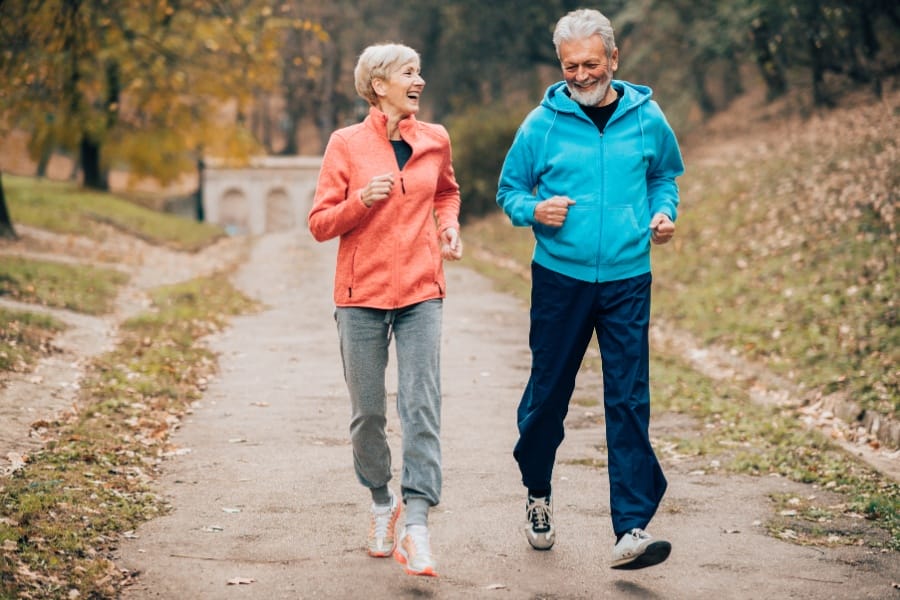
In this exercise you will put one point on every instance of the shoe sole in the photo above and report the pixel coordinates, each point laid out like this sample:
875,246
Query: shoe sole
401,558
653,554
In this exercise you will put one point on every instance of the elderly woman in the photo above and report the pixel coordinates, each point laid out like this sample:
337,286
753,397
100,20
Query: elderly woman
387,190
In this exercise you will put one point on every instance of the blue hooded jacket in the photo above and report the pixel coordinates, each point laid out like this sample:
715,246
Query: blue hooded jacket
618,178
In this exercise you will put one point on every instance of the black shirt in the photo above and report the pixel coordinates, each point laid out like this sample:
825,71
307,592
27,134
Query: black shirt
402,151
600,114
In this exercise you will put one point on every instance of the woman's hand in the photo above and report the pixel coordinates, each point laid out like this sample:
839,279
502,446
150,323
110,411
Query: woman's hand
377,189
451,244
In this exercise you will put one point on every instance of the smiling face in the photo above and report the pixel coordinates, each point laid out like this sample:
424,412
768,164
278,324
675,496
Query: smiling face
587,71
398,95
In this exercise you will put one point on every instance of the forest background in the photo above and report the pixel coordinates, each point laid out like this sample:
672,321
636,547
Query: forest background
151,89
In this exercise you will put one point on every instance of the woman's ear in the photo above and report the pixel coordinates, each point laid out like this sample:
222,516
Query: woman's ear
379,86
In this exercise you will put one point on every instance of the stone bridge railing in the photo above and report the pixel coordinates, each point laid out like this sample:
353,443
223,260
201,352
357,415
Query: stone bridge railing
272,193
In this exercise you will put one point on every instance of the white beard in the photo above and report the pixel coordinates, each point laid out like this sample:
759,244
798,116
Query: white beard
591,98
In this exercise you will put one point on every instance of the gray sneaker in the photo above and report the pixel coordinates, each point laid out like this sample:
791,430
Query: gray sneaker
637,549
539,523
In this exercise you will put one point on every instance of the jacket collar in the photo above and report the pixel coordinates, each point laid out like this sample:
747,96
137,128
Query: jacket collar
378,121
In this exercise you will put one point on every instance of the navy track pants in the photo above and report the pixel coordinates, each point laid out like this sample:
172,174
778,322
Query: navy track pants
565,312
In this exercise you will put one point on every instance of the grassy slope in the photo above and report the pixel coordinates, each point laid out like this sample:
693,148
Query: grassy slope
63,207
787,250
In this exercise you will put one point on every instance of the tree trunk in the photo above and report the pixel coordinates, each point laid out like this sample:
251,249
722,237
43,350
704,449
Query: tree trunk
770,66
198,196
6,227
698,77
731,81
94,177
816,55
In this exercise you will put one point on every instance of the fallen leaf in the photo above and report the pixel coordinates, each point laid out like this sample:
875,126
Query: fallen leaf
230,510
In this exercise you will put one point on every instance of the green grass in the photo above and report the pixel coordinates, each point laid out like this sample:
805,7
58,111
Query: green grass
24,337
63,207
65,509
81,288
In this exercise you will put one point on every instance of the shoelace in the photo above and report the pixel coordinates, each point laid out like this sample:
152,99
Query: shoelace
382,520
640,534
539,513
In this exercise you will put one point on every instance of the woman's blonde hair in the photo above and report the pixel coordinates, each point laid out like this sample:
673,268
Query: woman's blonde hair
379,62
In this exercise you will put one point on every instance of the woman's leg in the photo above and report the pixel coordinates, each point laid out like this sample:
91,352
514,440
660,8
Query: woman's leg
364,339
417,330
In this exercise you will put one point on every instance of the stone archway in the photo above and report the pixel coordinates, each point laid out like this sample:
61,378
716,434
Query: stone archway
272,193
234,213
279,212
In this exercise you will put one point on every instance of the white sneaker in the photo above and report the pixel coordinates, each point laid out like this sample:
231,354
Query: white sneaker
381,528
539,523
414,551
637,549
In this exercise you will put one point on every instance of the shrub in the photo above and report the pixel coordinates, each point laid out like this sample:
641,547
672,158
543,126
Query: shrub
481,136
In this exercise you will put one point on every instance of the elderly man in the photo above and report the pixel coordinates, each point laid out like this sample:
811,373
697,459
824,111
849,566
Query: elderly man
592,171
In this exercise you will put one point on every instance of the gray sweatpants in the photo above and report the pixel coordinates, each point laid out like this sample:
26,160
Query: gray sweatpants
365,335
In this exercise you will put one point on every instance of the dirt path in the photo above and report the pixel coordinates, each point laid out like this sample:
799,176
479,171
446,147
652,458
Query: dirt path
264,488
28,399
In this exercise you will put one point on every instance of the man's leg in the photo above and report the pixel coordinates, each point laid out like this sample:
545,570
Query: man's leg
637,483
561,329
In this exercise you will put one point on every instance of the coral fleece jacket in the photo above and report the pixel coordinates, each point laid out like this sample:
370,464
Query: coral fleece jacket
389,254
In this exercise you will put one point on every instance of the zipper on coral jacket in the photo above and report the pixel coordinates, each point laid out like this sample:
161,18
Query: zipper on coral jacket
402,185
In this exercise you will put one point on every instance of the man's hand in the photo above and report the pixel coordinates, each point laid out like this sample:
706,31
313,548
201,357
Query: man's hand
662,228
451,244
553,211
